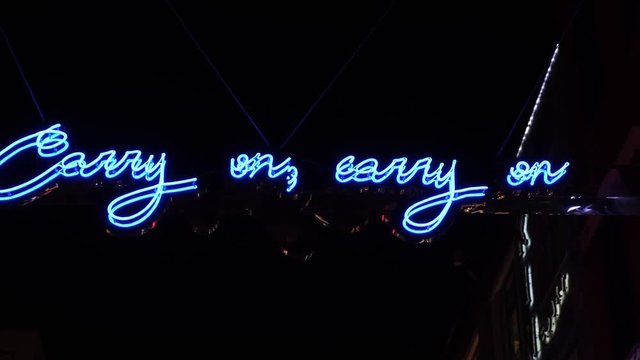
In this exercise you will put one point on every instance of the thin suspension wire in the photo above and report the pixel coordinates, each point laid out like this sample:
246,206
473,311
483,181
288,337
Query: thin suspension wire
22,74
541,80
342,69
217,72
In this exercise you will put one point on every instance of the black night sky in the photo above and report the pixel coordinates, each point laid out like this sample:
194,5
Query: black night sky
445,80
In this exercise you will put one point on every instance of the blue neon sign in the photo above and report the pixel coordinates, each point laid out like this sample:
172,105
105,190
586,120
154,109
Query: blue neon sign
243,166
523,172
124,211
367,171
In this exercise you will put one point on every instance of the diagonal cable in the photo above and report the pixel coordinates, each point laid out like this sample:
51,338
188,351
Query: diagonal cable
342,69
217,72
22,74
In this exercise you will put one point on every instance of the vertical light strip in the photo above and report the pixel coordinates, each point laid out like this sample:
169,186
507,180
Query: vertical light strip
561,292
528,276
525,234
536,339
524,251
538,99
529,286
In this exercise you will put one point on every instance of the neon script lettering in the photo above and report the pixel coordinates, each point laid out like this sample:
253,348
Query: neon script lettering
125,211
523,172
367,170
242,165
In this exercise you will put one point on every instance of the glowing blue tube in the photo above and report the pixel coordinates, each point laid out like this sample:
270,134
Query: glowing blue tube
447,199
53,142
50,142
367,171
522,173
153,193
242,165
30,186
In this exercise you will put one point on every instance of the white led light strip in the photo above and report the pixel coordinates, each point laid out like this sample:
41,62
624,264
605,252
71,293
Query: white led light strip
537,104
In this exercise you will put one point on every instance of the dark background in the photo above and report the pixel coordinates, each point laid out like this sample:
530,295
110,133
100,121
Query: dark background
437,79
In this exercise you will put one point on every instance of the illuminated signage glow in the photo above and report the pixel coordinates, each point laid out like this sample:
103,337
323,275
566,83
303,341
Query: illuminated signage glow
367,171
52,142
136,207
524,250
243,166
523,172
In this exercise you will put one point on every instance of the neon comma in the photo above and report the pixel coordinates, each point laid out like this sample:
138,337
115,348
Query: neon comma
243,166
124,211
